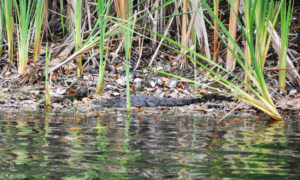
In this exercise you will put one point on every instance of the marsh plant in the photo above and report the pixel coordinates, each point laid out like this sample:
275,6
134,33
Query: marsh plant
77,32
61,4
103,9
128,37
257,16
1,30
25,18
39,17
286,18
254,22
7,9
47,93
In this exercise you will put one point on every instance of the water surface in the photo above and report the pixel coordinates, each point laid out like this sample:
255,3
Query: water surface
147,145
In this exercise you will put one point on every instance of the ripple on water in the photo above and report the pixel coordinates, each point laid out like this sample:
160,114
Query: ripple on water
154,146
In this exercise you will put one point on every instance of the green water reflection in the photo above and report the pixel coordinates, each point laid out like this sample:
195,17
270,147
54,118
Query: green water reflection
147,145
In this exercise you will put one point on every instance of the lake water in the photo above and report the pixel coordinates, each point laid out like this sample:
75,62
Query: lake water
145,145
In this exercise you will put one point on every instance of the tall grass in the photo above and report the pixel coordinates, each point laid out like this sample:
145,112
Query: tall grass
7,8
286,17
24,11
262,17
262,99
47,94
39,17
233,23
61,6
128,37
1,30
216,11
77,32
103,9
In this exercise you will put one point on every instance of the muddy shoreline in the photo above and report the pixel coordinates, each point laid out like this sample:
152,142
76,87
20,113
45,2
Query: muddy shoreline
31,97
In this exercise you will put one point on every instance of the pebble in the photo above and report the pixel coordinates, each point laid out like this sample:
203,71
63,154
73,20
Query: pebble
122,81
292,92
157,81
138,83
172,83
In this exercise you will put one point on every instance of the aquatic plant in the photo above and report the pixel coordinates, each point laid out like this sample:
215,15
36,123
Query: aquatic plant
61,6
216,27
233,22
7,8
77,32
103,9
47,94
128,37
285,21
39,18
124,10
1,30
24,11
254,70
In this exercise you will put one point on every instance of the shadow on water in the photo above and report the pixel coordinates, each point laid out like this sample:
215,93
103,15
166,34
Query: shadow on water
147,146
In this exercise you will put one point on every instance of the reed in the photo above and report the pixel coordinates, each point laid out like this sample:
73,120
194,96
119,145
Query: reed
195,65
286,18
103,9
184,22
261,99
24,11
216,42
39,17
129,26
77,32
1,30
61,6
233,22
47,94
7,8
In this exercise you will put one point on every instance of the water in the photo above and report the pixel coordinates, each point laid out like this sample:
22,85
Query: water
147,146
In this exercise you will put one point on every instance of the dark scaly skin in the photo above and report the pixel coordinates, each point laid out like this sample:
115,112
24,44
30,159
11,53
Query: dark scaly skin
152,101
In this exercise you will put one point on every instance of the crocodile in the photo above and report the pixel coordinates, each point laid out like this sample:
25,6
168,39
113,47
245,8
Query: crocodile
152,101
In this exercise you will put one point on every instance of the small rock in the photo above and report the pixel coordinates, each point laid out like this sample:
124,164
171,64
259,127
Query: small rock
138,83
292,92
159,90
152,83
159,81
122,81
116,93
134,74
172,82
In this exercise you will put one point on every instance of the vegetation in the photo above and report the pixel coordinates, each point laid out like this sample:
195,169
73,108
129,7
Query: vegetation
25,16
7,9
102,17
47,92
286,18
39,17
77,31
182,27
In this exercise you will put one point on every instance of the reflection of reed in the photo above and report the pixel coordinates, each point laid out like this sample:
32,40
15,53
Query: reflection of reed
157,146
